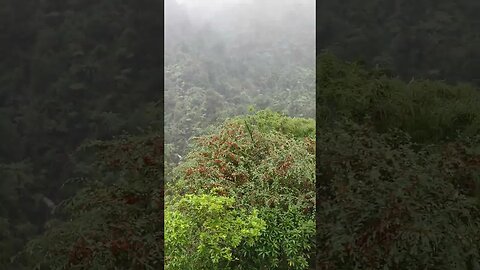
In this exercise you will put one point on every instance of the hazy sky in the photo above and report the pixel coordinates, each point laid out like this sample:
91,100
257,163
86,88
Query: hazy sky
209,2
210,9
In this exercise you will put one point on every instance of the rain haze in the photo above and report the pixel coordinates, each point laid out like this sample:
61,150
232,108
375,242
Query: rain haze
223,56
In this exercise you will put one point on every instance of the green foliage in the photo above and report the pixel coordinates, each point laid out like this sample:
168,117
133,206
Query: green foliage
429,111
266,121
201,232
398,168
266,162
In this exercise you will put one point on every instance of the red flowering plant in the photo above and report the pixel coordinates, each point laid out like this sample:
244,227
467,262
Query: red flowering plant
265,162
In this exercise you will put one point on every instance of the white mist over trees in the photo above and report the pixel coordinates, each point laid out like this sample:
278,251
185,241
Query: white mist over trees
223,56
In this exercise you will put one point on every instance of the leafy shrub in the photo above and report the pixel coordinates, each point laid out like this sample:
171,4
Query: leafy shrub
266,163
201,232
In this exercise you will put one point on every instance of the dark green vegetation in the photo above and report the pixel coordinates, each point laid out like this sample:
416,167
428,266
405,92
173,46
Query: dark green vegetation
398,159
435,39
398,169
69,71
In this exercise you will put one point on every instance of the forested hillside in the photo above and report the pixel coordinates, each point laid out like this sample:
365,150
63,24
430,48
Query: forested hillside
245,54
398,168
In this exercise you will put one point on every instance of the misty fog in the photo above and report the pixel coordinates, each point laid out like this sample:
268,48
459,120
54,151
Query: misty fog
223,56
